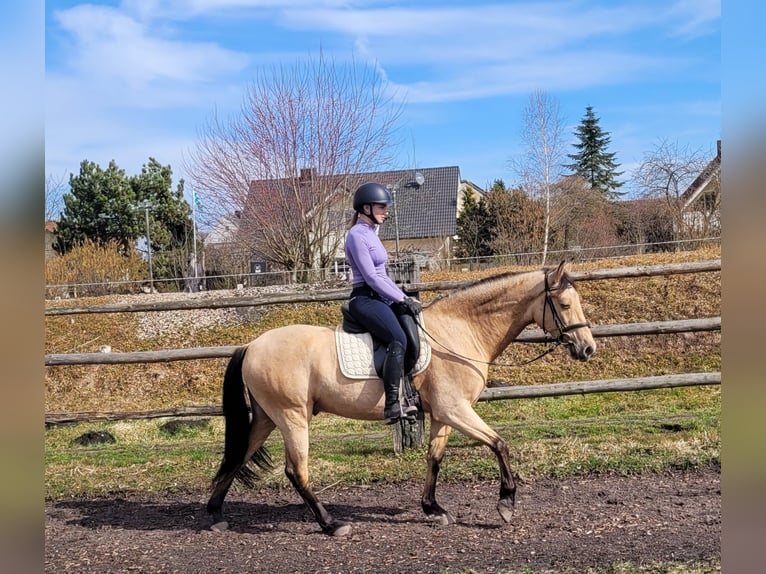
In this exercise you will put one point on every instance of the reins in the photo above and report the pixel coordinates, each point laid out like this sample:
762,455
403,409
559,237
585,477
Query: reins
560,340
555,342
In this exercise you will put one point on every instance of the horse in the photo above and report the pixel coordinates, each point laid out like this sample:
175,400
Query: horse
290,374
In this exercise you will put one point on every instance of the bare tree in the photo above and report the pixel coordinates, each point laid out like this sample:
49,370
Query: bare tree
583,217
541,163
666,173
288,161
518,222
55,187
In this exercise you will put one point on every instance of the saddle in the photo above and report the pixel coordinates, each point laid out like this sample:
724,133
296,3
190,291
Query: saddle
361,355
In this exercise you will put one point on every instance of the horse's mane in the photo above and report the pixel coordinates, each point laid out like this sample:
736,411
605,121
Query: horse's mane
482,283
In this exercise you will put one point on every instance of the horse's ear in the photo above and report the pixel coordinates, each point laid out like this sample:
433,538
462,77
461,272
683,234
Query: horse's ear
558,275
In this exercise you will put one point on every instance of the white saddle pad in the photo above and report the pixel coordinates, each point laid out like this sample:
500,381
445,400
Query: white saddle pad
355,354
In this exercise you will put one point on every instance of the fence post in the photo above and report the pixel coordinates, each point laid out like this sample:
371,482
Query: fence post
404,271
409,434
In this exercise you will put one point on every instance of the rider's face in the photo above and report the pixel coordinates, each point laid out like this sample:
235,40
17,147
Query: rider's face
379,212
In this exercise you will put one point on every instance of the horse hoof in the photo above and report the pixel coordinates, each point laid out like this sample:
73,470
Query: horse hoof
442,519
339,529
505,509
222,526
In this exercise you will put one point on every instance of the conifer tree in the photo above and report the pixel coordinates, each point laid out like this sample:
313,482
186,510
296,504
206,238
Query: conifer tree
592,161
98,208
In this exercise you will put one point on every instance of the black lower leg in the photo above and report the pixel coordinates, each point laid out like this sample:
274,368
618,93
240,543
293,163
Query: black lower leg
393,371
328,524
215,503
507,500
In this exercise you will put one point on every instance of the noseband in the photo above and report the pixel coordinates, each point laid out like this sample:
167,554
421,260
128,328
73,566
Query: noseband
563,329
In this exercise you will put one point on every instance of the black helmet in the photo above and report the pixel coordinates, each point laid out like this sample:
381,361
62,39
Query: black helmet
371,192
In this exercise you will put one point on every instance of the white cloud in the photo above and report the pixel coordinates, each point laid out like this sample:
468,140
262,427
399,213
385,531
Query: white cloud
694,18
118,73
478,51
114,46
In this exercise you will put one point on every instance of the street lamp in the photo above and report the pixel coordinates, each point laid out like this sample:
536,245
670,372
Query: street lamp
146,206
416,183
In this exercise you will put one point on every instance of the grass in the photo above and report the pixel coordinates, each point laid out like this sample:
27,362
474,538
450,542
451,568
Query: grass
548,437
631,432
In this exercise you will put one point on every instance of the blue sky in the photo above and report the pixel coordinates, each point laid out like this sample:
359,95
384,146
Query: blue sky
139,78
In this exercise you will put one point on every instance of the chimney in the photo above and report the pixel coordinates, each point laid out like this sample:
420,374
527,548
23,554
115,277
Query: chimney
718,143
307,174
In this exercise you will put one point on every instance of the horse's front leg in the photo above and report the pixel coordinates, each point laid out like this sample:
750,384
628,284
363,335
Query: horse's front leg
465,420
436,448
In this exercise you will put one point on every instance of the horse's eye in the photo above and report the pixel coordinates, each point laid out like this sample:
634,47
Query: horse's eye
565,307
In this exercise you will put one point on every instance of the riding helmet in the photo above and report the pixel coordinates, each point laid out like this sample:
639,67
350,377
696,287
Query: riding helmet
371,192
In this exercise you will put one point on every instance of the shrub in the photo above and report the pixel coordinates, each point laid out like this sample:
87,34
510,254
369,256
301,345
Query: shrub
91,269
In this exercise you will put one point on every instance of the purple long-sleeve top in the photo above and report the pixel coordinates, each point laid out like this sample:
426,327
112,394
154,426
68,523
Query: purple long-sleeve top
367,258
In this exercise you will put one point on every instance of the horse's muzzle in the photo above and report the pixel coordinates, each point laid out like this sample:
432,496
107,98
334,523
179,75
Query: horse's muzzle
581,352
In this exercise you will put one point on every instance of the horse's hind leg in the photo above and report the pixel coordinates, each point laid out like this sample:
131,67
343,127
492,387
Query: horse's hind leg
259,432
296,436
439,435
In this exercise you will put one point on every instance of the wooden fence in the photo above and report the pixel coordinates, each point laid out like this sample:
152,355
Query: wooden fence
489,394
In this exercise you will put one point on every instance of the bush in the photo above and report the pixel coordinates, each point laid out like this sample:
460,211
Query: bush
92,269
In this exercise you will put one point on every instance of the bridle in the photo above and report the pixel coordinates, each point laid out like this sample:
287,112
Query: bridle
562,329
562,339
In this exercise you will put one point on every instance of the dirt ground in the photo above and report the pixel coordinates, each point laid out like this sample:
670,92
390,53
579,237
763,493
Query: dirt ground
566,525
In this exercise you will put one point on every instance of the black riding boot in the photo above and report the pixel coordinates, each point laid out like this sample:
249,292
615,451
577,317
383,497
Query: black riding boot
393,370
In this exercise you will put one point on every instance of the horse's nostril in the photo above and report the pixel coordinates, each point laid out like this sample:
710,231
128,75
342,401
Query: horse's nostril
589,351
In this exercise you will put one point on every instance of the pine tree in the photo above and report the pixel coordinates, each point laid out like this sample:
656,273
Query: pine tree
98,208
103,206
169,219
592,161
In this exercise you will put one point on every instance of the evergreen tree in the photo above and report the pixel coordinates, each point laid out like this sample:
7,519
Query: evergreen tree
105,205
99,207
475,228
170,225
592,161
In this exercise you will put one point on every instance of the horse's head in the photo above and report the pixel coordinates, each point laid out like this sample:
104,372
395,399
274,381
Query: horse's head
561,315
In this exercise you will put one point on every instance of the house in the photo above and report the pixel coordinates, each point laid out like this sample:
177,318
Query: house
50,239
422,221
423,217
225,253
701,201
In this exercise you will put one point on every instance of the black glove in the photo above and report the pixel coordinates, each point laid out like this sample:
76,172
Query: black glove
411,306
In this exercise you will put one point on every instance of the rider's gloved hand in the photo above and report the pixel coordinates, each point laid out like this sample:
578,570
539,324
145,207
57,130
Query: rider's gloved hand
411,306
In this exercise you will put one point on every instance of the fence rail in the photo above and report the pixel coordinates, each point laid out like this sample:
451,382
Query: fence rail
340,294
489,394
530,336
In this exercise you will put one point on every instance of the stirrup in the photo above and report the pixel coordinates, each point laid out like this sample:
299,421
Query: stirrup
406,412
395,419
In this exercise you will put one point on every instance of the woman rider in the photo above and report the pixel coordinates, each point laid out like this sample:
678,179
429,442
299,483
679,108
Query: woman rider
375,298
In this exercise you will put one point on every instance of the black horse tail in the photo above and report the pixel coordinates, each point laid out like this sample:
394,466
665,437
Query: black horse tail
237,423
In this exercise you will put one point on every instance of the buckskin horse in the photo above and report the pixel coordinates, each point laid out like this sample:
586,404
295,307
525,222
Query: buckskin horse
289,374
